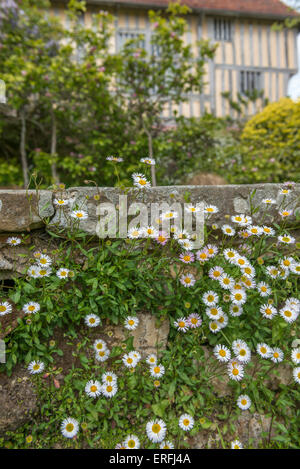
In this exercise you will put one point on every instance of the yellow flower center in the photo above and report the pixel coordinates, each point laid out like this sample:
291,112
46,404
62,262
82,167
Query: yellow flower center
222,353
69,427
2,308
243,402
156,369
131,443
235,371
186,422
156,428
93,388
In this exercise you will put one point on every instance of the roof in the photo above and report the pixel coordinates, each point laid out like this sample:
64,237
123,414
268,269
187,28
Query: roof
264,8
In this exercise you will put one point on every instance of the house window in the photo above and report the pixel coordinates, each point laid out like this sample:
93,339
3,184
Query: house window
222,29
250,81
125,35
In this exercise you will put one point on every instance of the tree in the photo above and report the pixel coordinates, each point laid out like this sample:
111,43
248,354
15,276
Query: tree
149,80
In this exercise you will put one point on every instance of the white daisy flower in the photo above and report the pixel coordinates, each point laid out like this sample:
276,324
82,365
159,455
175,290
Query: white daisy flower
248,271
269,201
236,444
268,231
226,281
156,430
31,308
241,261
62,273
136,355
228,230
223,320
215,272
235,372
215,312
139,180
44,260
135,233
244,402
33,271
295,356
264,350
129,361
285,213
273,271
296,374
102,355
286,239
210,298
214,327
13,241
61,202
93,388
288,314
186,422
151,359
242,352
222,353
181,324
132,442
149,161
295,268
150,232
255,230
131,322
44,272
92,320
276,355
192,208
194,320
230,254
293,303
264,289
99,344
157,371
238,297
210,209
169,215
236,310
109,378
241,220
109,390
268,311
186,244
166,445
69,427
35,367
5,308
79,214
181,235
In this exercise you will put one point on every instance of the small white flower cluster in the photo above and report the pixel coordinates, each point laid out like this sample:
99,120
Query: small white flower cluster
108,387
101,351
191,322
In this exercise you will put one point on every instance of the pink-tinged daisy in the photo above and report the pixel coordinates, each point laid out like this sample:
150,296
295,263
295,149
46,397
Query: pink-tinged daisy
194,320
203,255
181,324
187,257
285,213
212,250
162,238
13,241
115,159
187,280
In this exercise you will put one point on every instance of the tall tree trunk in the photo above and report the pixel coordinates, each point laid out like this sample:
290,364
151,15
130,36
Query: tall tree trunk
53,147
24,161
